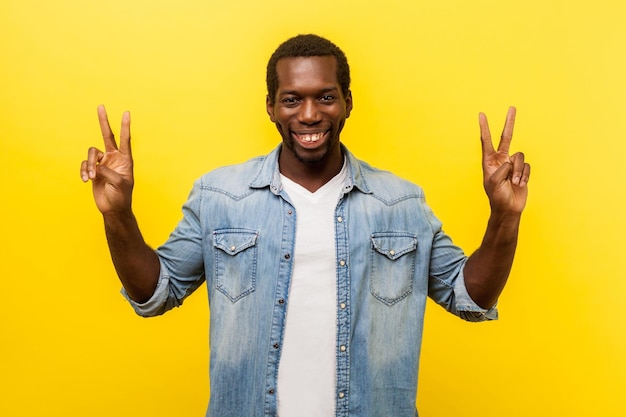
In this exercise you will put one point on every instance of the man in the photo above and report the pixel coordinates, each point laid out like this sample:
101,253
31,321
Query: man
317,265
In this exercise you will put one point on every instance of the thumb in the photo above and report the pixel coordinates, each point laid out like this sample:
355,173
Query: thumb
107,174
501,174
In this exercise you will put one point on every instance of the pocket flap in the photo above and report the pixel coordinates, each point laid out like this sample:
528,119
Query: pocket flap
394,244
233,241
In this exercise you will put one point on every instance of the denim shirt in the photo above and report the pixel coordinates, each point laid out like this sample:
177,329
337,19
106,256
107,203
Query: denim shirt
237,234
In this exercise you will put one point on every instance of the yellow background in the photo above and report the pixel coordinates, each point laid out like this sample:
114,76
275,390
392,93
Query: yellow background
192,74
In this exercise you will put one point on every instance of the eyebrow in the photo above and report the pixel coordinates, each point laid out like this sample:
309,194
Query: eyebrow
295,92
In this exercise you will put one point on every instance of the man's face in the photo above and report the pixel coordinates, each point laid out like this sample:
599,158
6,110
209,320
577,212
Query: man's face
309,109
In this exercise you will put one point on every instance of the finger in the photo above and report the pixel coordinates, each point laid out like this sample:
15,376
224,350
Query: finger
518,167
507,132
125,134
93,157
105,128
83,171
525,175
485,135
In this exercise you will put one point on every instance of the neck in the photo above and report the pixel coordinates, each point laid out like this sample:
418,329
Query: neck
310,175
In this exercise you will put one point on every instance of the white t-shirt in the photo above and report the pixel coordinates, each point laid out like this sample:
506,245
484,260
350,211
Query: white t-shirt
306,372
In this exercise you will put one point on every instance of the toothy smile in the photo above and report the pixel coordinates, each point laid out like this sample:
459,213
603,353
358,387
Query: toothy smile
309,137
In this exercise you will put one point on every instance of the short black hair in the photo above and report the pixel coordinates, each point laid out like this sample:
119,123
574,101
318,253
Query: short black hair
306,46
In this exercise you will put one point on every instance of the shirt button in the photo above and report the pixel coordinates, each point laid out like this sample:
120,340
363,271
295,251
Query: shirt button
342,305
276,345
232,248
281,301
271,391
287,256
289,212
342,262
392,252
341,395
339,219
342,348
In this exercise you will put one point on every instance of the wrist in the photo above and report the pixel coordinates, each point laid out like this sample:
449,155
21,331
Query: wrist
118,221
502,228
505,216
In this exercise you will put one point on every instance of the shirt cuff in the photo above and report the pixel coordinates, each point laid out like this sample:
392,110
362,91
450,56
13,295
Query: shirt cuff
467,308
156,304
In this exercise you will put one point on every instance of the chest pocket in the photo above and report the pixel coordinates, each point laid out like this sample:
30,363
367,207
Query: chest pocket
392,265
235,262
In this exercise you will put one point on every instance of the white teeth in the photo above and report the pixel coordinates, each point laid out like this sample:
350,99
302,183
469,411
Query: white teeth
313,137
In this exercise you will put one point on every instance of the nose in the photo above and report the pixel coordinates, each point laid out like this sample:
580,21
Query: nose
309,112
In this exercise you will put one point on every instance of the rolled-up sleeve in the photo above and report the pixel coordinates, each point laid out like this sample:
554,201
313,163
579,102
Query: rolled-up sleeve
447,282
160,302
466,307
181,260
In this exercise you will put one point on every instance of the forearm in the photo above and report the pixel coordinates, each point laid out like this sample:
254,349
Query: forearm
487,269
137,264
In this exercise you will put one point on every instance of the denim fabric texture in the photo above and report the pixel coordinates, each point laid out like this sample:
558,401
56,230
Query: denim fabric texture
237,234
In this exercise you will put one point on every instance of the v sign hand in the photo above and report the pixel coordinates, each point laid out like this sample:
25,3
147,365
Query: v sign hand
111,174
505,177
111,171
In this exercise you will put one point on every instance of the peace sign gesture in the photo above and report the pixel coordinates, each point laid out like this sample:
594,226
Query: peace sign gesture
505,177
111,171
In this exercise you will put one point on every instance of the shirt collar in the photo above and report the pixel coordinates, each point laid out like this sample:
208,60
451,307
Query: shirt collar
268,174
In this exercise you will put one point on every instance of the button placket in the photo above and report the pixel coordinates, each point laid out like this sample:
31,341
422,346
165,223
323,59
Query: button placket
279,311
343,312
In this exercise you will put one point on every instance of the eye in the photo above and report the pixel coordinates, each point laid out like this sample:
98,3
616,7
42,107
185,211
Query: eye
290,101
327,98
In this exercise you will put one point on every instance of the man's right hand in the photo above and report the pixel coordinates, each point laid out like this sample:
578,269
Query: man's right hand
111,171
111,174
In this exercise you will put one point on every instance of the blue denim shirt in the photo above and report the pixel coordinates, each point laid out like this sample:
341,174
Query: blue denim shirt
238,233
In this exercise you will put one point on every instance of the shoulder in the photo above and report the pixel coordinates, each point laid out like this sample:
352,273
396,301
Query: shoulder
385,185
249,166
234,179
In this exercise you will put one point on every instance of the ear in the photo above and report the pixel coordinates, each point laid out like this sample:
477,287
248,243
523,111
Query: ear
348,100
269,106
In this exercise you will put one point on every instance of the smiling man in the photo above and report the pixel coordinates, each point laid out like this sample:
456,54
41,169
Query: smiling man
317,265
309,109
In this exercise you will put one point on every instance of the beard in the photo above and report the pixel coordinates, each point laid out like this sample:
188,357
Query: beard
311,156
307,157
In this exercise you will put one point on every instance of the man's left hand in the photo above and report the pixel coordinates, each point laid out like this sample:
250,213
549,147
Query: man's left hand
505,177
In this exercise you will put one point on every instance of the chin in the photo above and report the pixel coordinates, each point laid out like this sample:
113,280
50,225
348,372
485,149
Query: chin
311,158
